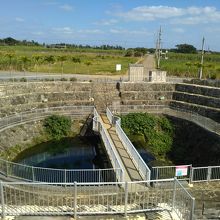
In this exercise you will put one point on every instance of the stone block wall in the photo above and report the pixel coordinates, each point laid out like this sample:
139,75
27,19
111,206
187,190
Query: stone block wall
19,97
204,100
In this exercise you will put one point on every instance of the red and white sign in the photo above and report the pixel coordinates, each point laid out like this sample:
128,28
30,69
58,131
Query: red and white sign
181,170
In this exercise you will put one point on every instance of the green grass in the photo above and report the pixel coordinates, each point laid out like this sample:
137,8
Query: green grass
93,61
187,65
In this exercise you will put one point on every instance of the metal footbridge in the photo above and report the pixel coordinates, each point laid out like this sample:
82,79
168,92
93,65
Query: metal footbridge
122,153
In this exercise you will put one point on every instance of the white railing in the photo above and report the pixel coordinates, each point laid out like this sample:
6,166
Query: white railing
182,202
19,198
210,173
186,172
198,119
110,116
38,114
168,172
113,156
40,174
136,157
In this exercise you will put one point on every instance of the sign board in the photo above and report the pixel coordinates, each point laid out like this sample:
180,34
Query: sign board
181,170
118,67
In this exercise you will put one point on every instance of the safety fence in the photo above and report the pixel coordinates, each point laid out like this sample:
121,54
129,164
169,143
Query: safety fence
109,146
112,118
95,198
186,172
182,172
40,174
198,119
137,159
201,174
38,114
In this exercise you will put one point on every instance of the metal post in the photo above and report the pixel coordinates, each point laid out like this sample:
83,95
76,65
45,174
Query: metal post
190,174
7,169
99,175
126,198
2,200
32,170
75,200
174,192
65,176
192,209
209,173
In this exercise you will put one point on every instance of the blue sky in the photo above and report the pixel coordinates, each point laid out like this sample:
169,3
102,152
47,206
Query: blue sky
124,22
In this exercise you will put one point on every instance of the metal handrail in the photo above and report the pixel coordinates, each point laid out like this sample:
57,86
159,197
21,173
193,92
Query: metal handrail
141,165
116,162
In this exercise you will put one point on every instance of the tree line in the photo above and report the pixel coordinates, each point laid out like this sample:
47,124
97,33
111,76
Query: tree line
10,61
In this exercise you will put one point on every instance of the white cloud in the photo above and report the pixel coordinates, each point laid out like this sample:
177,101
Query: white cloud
18,19
66,7
106,22
187,16
90,31
150,13
131,32
63,30
178,30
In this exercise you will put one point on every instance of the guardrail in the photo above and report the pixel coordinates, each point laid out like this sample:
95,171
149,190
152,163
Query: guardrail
116,163
40,174
201,174
182,203
182,172
37,114
186,172
19,198
200,120
136,157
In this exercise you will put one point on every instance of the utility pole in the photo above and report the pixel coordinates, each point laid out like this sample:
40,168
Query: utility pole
158,48
201,63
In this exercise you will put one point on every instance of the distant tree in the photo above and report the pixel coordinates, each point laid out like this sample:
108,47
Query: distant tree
62,59
37,59
185,48
10,56
75,60
24,61
129,53
50,59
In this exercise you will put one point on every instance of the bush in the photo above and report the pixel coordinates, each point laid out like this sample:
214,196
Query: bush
156,130
63,79
73,79
23,80
57,126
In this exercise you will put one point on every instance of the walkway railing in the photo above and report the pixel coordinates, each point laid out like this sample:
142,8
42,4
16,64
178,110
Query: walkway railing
182,202
37,114
40,174
201,174
186,172
198,119
182,172
139,162
113,156
136,157
94,198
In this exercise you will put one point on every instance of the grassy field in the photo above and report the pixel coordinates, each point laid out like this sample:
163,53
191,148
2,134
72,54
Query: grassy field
90,61
188,65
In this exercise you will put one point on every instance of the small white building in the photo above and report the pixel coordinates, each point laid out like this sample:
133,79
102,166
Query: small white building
136,72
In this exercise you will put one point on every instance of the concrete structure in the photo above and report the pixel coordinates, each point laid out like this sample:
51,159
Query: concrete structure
157,76
136,73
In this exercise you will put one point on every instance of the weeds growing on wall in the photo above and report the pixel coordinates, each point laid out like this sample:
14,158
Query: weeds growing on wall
57,126
154,133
